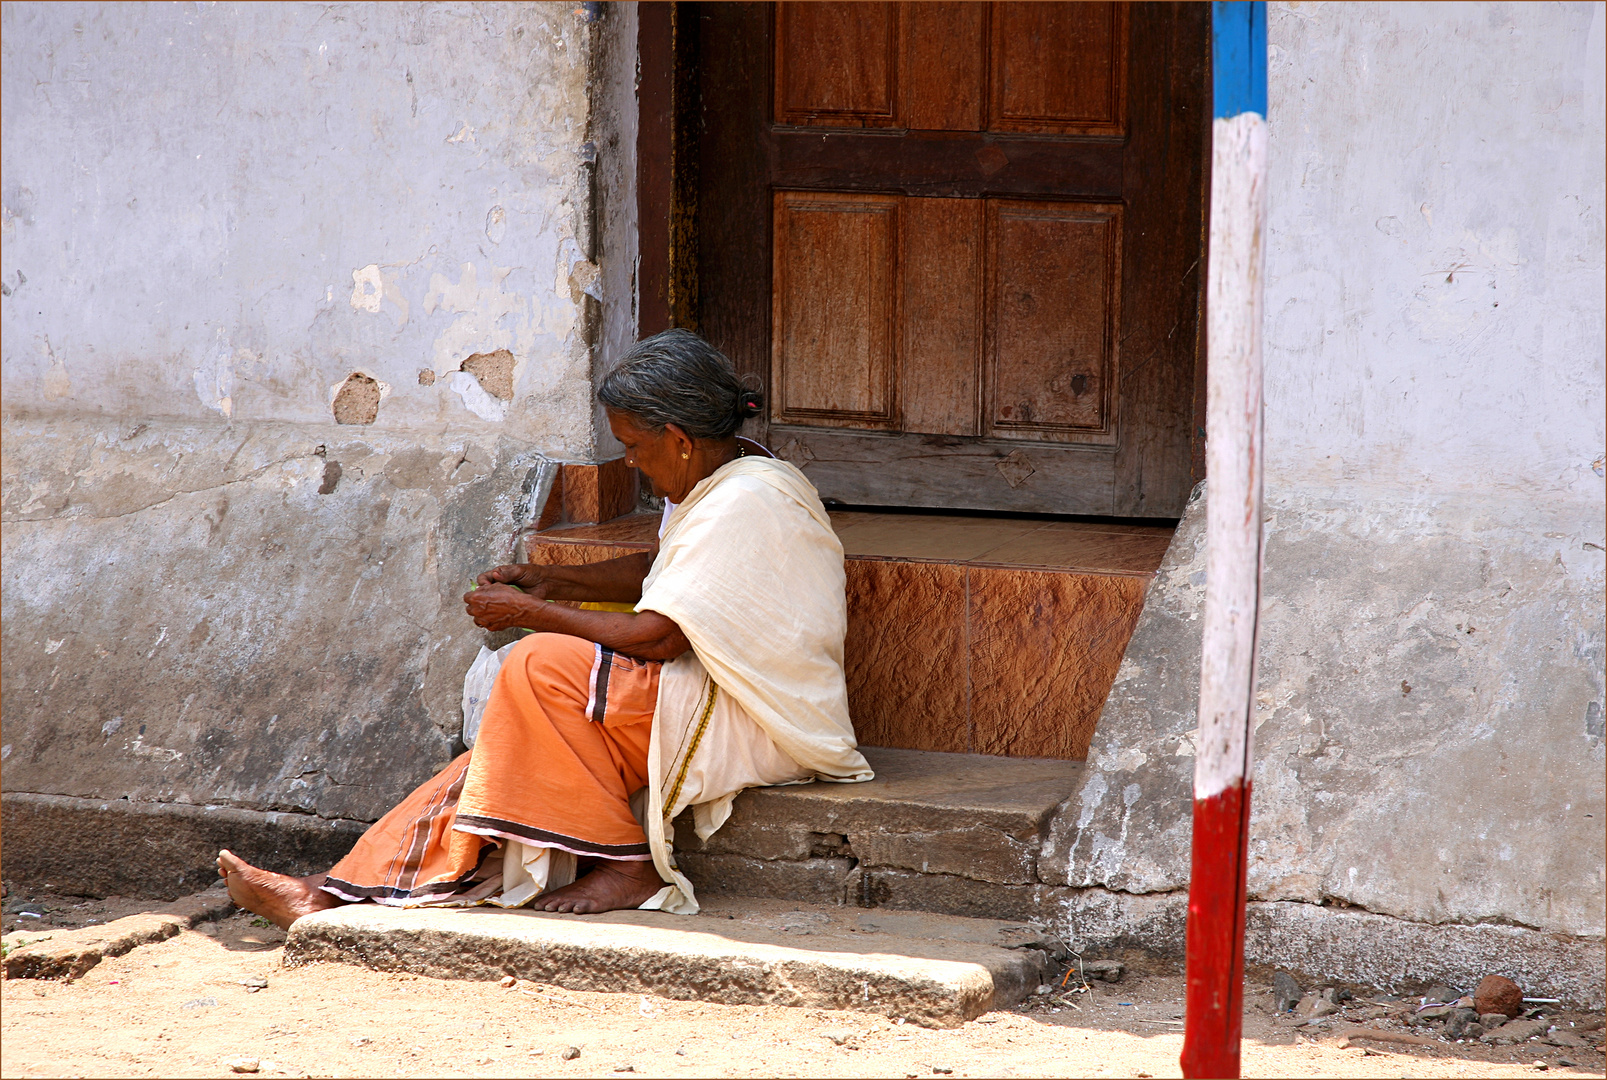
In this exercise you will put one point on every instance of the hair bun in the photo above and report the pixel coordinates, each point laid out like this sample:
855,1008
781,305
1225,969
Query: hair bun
750,403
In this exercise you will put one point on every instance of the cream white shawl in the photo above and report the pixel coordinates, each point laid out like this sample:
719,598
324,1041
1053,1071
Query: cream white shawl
752,572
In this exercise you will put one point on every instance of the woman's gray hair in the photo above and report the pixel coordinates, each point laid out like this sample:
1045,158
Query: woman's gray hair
676,377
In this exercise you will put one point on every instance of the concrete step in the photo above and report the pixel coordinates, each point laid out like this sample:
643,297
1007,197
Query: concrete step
952,833
933,970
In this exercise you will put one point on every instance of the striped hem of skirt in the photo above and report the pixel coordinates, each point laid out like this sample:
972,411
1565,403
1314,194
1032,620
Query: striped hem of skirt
534,837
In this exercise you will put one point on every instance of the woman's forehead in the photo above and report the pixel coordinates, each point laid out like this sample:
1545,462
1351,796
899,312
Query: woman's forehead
624,423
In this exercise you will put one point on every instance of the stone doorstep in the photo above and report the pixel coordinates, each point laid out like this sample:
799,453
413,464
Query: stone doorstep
933,970
67,954
969,817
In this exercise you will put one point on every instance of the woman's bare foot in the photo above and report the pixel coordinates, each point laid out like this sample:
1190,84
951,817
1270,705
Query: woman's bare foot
613,885
279,898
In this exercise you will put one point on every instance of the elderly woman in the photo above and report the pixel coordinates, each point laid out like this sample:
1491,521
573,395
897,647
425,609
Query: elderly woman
604,725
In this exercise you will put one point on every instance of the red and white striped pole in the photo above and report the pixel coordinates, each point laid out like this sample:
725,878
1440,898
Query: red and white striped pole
1214,1004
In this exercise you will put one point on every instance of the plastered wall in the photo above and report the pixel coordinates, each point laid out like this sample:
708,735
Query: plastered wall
222,211
1435,259
294,299
1429,734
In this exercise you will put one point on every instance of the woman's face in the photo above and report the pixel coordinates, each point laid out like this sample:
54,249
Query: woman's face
657,453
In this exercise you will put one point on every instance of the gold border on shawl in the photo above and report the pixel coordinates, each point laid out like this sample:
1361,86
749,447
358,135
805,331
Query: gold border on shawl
697,737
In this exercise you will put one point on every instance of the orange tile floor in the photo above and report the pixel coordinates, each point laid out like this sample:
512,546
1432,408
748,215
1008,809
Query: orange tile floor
965,634
1090,547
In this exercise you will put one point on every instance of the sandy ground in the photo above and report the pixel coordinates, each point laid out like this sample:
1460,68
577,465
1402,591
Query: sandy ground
181,1007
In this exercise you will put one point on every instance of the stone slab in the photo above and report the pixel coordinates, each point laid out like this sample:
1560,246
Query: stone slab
67,954
933,970
968,815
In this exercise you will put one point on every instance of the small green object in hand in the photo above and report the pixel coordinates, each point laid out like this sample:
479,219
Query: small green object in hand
474,583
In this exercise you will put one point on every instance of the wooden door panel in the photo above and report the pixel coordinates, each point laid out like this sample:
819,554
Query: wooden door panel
836,64
1078,169
945,75
941,321
878,469
1059,68
835,289
959,165
1054,274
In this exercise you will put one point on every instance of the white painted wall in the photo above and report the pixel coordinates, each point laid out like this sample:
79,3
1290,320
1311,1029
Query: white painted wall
1435,270
218,210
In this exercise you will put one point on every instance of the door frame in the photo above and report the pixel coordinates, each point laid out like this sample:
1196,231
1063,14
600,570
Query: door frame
667,190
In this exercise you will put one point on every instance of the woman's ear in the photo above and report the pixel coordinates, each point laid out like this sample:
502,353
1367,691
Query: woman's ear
680,441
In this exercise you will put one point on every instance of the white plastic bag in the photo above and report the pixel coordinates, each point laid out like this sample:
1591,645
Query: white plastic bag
477,684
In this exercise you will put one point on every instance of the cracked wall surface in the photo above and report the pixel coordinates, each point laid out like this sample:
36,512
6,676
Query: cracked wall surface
294,299
1429,736
193,614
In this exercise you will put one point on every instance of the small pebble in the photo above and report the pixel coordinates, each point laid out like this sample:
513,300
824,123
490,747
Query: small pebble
680,1051
508,982
200,1003
624,1068
1542,1066
253,983
242,1065
361,1040
1044,988
942,1070
1566,1063
570,1053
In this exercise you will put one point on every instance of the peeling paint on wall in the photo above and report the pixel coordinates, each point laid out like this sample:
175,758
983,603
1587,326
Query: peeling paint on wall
489,319
355,399
372,288
475,398
494,371
57,383
214,379
368,289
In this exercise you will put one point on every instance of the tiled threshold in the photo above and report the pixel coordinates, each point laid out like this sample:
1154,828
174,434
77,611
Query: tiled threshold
966,634
1087,547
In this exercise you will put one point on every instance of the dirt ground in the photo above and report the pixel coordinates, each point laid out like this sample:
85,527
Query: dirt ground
184,1007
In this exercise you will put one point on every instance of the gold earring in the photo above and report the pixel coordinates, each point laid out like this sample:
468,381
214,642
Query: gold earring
685,456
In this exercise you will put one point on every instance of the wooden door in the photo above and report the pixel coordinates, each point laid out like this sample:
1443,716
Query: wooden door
960,244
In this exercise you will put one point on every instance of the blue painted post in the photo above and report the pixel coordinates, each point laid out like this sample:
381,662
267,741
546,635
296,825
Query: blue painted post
1214,998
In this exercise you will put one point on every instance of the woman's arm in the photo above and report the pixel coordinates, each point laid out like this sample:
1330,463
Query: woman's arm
616,580
646,635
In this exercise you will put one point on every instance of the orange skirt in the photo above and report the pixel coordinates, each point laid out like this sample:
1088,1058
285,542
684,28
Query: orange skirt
562,748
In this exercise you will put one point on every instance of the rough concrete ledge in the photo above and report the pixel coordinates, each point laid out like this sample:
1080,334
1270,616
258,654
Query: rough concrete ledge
1345,945
1377,950
67,954
931,970
98,847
